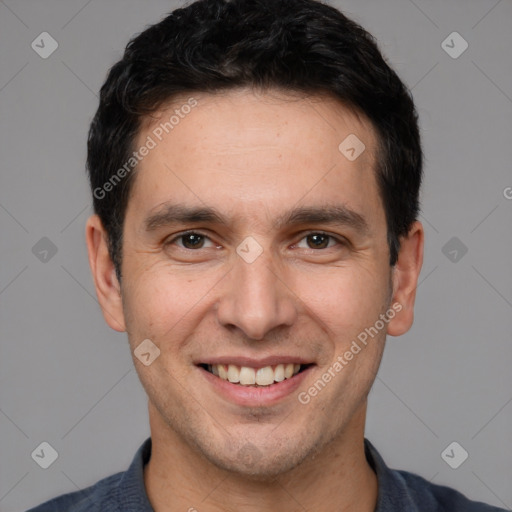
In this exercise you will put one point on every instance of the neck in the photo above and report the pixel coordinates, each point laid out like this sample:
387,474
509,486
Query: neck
338,478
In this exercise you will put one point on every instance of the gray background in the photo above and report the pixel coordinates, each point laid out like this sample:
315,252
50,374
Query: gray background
67,379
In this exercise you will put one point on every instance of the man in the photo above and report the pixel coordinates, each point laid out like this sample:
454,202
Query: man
255,168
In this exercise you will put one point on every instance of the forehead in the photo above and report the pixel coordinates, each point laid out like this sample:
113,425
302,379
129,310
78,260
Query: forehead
247,150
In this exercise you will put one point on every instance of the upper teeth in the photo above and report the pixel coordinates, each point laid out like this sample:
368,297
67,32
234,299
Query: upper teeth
247,376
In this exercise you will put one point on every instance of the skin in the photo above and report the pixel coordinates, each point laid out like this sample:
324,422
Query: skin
254,156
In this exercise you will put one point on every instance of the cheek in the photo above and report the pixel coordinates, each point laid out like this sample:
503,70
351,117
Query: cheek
159,302
346,300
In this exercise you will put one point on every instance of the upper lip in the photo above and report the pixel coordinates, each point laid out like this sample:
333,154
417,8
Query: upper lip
253,362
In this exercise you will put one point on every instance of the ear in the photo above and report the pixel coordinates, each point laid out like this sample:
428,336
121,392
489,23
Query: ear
405,279
108,289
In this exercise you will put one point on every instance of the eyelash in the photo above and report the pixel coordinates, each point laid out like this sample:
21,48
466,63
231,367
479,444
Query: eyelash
341,242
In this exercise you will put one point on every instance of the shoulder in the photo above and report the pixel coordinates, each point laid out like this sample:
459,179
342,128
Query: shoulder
97,497
439,498
402,490
123,491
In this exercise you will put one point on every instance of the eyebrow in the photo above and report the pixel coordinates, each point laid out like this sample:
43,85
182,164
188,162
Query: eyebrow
341,215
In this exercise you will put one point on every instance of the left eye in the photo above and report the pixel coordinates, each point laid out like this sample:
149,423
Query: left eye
318,241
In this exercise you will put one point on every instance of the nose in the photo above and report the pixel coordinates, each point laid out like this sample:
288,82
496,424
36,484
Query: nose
256,299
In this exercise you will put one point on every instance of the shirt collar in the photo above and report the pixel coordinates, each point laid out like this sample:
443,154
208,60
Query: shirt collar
393,493
131,492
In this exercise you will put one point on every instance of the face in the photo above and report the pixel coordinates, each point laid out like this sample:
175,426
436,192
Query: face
252,242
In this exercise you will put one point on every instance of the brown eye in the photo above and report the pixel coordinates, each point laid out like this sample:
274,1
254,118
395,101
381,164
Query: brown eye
190,241
319,241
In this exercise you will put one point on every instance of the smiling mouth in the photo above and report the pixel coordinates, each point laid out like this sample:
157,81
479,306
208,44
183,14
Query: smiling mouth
255,377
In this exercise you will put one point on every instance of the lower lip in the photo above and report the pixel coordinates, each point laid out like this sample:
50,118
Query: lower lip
255,396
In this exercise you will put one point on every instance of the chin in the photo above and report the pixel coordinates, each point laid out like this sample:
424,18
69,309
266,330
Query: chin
260,464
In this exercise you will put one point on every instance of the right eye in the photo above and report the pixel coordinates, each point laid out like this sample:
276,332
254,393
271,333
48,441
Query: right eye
190,240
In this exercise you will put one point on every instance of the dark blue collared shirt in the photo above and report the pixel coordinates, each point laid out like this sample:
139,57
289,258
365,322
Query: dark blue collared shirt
399,491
